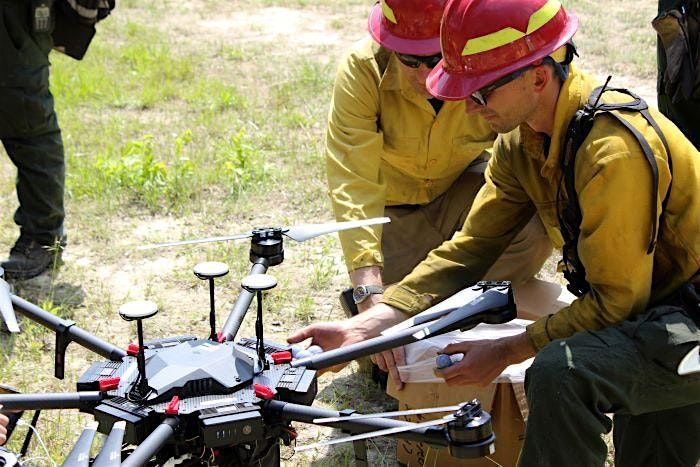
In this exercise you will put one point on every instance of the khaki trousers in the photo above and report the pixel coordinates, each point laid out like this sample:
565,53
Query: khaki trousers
415,230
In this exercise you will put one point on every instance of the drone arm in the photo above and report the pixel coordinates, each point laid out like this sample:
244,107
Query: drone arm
66,332
240,308
305,414
153,443
492,306
60,400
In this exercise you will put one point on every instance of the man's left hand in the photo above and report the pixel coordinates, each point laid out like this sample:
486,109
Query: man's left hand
484,360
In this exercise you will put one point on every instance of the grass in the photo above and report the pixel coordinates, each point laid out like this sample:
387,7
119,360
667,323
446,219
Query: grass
205,119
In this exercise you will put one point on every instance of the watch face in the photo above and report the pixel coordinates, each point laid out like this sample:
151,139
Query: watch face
359,293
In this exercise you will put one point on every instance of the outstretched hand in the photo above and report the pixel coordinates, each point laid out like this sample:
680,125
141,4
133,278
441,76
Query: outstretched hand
328,336
335,334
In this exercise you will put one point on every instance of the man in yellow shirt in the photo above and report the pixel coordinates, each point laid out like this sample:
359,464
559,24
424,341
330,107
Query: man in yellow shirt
636,244
393,150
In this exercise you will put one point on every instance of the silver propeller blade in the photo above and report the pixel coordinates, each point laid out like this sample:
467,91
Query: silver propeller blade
300,233
6,309
303,232
111,453
197,240
79,456
690,363
372,434
398,413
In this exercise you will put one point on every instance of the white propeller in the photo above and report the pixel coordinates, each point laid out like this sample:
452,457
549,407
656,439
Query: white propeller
300,232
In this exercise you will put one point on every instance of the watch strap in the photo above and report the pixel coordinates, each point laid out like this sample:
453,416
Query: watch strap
362,292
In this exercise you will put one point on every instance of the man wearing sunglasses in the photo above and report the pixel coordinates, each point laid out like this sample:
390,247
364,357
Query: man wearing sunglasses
635,180
393,150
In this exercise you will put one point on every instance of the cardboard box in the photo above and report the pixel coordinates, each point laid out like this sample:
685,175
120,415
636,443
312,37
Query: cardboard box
504,401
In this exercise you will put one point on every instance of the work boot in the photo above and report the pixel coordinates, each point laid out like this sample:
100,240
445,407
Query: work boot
366,366
29,258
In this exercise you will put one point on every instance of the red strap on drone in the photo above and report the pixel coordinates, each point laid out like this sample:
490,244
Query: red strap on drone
220,337
173,407
283,356
263,392
108,384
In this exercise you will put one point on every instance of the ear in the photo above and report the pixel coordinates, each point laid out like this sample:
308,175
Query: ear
543,75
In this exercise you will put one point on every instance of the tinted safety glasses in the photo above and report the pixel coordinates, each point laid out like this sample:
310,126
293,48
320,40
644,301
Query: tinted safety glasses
479,97
415,61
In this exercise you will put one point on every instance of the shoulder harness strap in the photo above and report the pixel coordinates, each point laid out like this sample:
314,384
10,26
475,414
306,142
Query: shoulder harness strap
570,213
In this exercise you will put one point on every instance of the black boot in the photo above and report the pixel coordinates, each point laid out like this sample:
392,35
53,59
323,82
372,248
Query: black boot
29,258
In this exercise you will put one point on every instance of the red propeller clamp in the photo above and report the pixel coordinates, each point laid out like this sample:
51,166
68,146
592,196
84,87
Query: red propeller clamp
173,407
263,392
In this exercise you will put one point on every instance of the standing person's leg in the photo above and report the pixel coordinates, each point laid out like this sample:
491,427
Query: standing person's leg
628,369
40,189
30,133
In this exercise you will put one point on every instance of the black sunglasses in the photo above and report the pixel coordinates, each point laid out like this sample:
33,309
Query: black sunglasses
479,97
415,61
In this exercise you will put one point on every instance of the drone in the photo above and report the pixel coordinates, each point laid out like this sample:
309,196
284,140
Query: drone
228,401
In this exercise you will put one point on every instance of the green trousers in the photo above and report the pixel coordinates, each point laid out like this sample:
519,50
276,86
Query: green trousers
628,370
29,128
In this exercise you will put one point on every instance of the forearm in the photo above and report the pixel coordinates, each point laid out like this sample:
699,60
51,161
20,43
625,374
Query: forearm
519,348
378,318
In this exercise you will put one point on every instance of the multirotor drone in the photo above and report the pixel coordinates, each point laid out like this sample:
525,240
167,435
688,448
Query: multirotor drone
193,401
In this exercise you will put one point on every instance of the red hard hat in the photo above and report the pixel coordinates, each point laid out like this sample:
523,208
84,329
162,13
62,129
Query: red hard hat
407,26
484,40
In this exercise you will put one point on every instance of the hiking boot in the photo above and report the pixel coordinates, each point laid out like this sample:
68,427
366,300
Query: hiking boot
28,258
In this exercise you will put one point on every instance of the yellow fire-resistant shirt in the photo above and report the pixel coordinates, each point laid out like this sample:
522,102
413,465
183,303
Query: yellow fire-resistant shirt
614,186
385,146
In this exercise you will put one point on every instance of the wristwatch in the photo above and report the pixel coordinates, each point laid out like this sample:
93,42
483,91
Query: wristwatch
362,292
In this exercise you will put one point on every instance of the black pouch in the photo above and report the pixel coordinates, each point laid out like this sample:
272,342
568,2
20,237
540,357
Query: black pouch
678,31
71,35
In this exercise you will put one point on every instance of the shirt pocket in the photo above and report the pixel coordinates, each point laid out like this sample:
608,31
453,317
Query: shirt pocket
402,146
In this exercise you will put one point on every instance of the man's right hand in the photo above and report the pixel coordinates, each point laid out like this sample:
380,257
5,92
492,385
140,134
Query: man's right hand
363,326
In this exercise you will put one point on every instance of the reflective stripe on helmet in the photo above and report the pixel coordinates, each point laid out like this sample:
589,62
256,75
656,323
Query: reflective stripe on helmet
388,12
507,35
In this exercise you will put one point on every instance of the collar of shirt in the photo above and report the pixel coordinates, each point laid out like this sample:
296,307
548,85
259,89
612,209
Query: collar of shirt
572,96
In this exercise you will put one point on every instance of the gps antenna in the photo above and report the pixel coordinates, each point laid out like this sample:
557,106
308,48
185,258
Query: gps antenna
138,311
209,271
256,283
